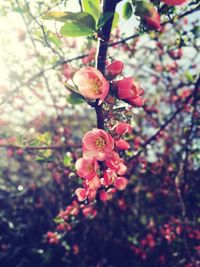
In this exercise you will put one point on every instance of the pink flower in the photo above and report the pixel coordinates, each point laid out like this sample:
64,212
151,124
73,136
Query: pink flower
107,195
81,194
103,196
153,19
130,91
122,128
86,168
122,144
174,2
93,183
114,162
122,169
89,211
52,238
91,83
92,194
97,144
121,183
115,68
109,177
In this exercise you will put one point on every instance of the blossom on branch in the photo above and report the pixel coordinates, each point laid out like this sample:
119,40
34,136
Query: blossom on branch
115,68
91,83
86,168
130,91
97,144
122,128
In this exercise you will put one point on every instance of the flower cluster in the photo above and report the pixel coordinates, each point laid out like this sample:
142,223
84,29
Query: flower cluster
100,148
92,84
102,170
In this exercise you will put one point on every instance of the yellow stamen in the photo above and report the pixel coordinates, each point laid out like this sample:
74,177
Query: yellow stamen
100,143
96,85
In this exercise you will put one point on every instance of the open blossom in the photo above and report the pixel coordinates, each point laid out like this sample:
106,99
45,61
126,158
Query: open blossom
86,168
174,2
91,83
130,91
122,128
115,68
97,144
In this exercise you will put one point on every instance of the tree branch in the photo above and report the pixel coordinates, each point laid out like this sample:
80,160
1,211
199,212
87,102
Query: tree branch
104,37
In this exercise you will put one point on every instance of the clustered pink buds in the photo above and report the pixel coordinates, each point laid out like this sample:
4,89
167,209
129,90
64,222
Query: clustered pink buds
91,83
101,168
98,145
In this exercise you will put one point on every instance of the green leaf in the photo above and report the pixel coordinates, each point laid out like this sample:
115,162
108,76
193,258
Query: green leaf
189,76
103,19
76,24
58,220
92,7
127,10
59,15
43,160
80,17
75,99
115,20
45,138
67,160
75,30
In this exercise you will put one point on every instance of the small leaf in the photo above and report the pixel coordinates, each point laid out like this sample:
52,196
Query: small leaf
92,7
67,160
75,99
58,220
75,30
189,76
43,160
48,137
76,24
127,10
83,17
